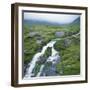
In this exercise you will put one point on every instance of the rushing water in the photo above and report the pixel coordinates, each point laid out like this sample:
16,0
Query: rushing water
54,58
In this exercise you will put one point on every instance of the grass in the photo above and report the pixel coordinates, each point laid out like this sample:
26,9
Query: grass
70,63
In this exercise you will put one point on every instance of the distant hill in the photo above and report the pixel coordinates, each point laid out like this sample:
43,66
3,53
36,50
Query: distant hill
31,22
76,21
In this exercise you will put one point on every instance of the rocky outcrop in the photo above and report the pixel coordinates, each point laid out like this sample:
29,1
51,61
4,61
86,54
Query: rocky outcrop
59,34
32,34
67,42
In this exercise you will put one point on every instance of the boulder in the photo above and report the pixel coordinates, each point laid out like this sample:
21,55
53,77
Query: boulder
39,40
67,42
49,71
60,34
32,34
54,59
41,60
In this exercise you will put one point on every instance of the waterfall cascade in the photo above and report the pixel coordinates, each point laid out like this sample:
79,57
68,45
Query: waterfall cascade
54,59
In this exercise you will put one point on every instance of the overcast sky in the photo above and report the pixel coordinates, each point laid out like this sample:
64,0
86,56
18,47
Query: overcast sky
56,18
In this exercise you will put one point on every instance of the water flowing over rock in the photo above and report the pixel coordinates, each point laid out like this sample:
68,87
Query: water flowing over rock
54,58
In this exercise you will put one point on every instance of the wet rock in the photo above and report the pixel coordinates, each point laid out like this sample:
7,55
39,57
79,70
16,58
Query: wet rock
41,60
54,59
26,66
50,71
33,75
59,34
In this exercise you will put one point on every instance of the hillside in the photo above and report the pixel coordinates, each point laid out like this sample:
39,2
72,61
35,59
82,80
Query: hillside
38,35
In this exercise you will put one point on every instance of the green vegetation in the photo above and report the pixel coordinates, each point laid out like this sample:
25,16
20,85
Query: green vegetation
70,63
69,49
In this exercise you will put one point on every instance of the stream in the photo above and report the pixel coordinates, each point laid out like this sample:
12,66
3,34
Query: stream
54,58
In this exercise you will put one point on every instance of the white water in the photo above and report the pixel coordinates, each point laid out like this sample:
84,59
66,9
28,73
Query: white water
41,69
53,58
